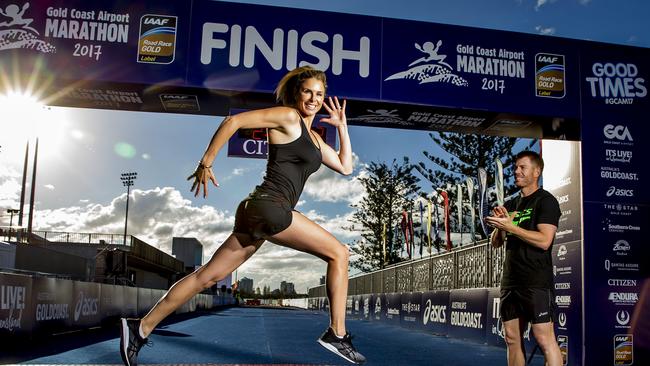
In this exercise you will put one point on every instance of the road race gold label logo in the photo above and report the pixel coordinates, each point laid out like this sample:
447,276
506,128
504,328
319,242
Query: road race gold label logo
549,75
563,342
623,349
157,43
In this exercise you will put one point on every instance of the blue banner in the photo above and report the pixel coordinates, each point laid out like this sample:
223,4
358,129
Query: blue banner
467,310
435,312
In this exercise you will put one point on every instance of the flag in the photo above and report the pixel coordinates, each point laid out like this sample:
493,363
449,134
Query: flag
421,226
484,207
445,198
429,224
470,191
498,181
383,240
459,204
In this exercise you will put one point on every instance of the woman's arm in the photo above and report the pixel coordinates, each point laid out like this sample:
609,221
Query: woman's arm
276,117
341,161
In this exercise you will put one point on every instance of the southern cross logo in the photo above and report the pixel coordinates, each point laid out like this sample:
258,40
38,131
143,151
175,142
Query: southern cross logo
430,68
17,33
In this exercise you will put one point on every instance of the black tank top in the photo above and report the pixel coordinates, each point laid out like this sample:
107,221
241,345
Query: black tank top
288,167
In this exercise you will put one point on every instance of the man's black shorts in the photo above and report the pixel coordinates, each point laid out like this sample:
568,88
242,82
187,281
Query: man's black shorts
531,304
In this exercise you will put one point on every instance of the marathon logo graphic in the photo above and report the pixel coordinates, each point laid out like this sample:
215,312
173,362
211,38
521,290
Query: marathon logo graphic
434,313
17,32
563,342
623,349
549,75
432,68
157,43
616,83
623,298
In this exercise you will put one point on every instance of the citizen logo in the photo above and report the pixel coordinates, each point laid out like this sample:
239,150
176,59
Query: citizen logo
619,282
563,286
618,132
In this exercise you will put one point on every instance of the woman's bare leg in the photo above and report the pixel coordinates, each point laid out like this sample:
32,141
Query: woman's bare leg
306,236
230,255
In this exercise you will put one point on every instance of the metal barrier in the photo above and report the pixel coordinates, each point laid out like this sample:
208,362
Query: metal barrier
90,238
475,266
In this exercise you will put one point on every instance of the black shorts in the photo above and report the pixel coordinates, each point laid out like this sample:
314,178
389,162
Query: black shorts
262,218
530,304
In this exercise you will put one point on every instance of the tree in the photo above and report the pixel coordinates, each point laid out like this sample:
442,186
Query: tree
388,191
467,153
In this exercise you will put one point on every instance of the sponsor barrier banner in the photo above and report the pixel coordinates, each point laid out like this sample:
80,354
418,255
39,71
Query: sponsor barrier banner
111,304
435,312
467,310
87,306
349,305
145,300
378,307
411,309
393,307
53,304
16,305
366,301
494,331
130,295
357,307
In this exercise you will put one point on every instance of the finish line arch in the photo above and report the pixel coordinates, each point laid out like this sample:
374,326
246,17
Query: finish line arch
212,57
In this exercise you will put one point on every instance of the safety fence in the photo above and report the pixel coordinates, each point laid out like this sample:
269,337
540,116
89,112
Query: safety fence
45,305
474,266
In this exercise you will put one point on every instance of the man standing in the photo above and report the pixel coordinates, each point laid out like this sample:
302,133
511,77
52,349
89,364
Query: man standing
527,225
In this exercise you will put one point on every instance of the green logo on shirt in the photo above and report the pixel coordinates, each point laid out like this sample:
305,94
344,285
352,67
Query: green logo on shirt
522,216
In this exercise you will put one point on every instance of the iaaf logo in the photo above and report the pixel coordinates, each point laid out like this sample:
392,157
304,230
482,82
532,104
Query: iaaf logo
156,21
434,313
618,132
619,192
85,306
618,83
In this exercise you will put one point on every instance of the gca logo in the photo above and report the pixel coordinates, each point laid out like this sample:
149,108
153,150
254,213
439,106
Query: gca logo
618,132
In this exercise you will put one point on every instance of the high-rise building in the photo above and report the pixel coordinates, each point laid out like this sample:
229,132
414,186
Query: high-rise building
322,280
188,250
287,288
246,285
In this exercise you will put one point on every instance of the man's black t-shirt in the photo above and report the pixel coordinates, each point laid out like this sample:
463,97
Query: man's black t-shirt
526,265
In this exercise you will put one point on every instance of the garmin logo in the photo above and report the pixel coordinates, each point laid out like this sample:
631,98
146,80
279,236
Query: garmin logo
617,83
282,49
617,132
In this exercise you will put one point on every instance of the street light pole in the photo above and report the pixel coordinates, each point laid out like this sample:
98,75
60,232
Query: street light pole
127,181
11,213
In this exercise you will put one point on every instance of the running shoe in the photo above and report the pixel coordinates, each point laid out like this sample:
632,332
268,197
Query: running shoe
130,341
341,346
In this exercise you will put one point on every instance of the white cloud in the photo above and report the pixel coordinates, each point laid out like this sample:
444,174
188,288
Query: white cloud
545,31
238,171
84,201
146,156
632,39
327,185
49,186
541,3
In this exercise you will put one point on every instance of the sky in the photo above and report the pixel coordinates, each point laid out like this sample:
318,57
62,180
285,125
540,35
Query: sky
84,151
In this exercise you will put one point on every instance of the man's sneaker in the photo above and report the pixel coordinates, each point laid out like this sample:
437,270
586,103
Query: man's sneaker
341,346
130,341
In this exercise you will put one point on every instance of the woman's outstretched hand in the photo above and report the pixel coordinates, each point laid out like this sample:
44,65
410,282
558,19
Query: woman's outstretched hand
201,176
337,112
